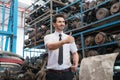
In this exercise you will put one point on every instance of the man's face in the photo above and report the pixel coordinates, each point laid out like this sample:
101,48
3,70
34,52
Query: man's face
60,24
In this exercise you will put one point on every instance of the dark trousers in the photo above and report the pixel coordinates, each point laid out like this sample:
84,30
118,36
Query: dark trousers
53,75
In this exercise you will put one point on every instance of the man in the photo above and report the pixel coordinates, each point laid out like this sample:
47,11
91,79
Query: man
63,69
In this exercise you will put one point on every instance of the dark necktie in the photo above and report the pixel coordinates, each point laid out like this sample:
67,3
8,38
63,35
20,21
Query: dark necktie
60,57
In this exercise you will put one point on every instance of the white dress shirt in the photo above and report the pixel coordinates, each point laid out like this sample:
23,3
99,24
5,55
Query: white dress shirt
53,54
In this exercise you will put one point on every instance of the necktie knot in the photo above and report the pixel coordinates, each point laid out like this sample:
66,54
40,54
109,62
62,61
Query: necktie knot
60,35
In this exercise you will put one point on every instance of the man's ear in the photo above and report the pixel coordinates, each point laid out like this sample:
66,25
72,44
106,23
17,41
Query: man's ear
53,24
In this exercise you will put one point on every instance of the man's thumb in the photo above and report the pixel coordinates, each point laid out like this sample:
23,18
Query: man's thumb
70,33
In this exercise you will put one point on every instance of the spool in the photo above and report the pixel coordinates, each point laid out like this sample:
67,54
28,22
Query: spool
47,32
38,37
33,39
44,27
115,8
73,24
91,16
28,19
92,4
89,41
78,24
102,13
92,53
32,34
27,41
100,38
85,6
78,42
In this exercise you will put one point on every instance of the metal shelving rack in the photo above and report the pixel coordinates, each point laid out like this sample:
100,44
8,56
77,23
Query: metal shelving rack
11,33
37,46
91,27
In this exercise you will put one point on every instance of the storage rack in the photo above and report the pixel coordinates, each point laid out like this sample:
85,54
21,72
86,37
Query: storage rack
91,28
43,15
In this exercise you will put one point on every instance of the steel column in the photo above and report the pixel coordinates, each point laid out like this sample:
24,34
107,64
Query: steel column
12,27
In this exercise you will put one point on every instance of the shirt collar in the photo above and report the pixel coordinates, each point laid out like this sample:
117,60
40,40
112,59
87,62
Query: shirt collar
57,33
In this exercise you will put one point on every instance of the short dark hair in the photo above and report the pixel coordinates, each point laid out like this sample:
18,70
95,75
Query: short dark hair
56,16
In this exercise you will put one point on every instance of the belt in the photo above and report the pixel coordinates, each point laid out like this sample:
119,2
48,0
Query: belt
59,71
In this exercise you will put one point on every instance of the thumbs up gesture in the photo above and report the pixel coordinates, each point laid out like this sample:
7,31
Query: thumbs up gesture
69,38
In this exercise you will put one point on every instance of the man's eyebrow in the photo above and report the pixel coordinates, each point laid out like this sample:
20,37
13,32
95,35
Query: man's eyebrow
61,21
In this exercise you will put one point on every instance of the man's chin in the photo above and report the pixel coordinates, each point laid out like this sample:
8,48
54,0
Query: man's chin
61,29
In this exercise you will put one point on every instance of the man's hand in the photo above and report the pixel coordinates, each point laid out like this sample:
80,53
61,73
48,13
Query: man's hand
69,39
73,68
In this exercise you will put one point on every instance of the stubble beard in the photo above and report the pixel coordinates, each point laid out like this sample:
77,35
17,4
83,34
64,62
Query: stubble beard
61,28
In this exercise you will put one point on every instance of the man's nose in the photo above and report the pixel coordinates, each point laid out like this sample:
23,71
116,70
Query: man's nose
62,22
